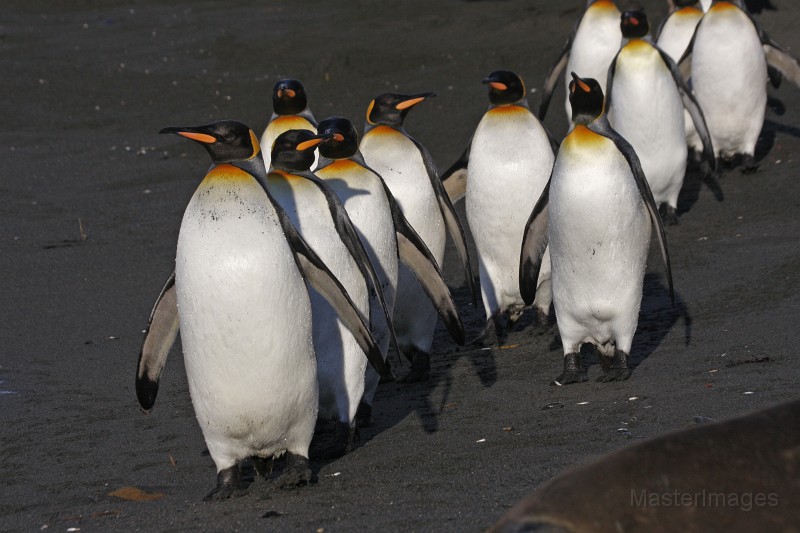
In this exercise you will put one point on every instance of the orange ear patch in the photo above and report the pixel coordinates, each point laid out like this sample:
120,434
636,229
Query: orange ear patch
255,143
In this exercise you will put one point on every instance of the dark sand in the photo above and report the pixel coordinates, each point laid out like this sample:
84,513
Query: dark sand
86,87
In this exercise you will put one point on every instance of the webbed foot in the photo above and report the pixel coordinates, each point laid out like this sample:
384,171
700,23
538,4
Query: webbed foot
296,474
420,368
229,485
573,371
618,370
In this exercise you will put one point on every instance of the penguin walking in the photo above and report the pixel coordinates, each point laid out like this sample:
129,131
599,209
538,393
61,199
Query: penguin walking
645,103
410,173
728,59
290,111
591,47
245,316
322,220
595,213
501,174
387,237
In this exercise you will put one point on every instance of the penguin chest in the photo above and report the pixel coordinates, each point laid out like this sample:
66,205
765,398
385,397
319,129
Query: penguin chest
400,163
729,74
678,30
308,209
647,110
244,311
364,198
596,42
509,165
598,223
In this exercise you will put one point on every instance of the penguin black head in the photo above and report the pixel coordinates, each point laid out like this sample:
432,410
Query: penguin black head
586,98
685,3
294,149
505,87
344,138
289,97
225,140
390,109
634,24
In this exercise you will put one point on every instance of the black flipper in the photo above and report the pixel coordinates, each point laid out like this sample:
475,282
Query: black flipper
694,109
602,127
159,336
450,218
534,243
455,178
325,283
556,70
413,252
780,60
612,70
347,232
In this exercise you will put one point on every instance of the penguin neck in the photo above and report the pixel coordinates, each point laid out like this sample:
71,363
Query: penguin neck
370,126
254,166
519,103
355,158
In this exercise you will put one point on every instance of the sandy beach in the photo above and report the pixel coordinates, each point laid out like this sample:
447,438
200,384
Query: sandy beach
93,204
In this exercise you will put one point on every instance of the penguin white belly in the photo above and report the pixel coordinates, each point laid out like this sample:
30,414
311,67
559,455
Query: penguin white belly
729,79
245,323
365,200
647,110
340,361
677,32
599,233
509,165
397,159
281,124
596,42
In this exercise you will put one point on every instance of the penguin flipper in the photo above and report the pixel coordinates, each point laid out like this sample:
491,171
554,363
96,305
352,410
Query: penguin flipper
534,242
316,273
413,252
552,77
455,178
450,218
691,104
159,336
779,59
602,127
347,232
612,70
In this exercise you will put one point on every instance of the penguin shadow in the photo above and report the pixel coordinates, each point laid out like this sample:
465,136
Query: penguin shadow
693,182
769,133
657,317
396,401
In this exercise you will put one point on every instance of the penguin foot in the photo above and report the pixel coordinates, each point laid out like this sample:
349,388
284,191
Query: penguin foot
489,336
364,415
618,370
420,368
342,442
263,466
229,484
296,474
573,371
542,317
749,165
669,216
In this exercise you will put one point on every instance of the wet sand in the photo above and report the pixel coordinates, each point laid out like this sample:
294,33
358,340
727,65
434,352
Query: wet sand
93,202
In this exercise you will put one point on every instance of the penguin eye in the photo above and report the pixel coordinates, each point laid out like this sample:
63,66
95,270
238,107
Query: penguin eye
229,136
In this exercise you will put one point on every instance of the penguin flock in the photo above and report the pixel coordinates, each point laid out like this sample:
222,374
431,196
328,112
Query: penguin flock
290,284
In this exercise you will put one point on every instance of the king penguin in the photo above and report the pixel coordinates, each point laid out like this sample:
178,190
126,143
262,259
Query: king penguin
645,100
322,220
245,316
594,42
596,213
386,235
728,59
410,173
290,111
501,174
